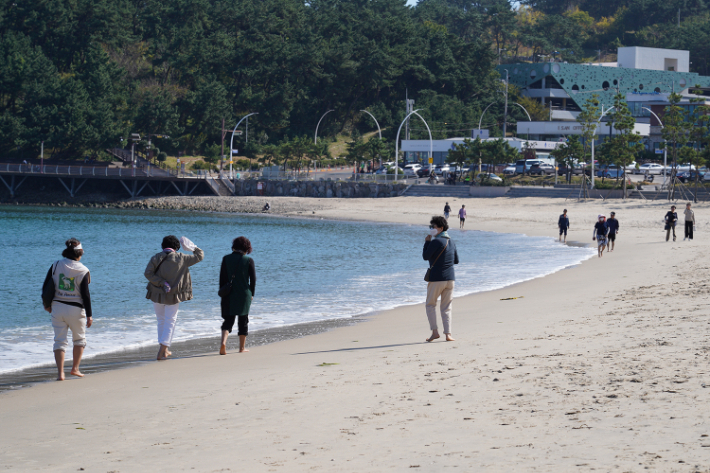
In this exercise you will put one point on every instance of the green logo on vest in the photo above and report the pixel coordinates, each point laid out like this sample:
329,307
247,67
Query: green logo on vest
65,283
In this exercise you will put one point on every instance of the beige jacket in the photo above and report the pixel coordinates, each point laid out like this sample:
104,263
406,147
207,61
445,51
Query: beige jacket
689,215
175,270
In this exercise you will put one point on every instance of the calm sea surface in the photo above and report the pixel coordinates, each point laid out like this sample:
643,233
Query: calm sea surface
307,270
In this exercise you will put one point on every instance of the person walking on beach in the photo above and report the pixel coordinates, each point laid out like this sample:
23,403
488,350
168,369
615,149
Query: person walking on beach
689,222
599,234
671,218
237,282
563,224
65,295
447,211
169,284
440,251
613,225
462,216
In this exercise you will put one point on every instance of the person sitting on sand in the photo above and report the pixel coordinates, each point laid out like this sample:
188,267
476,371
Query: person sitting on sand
65,295
440,252
563,224
599,234
238,271
266,208
169,283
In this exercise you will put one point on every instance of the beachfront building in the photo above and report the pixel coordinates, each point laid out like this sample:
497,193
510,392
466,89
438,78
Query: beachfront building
417,151
646,76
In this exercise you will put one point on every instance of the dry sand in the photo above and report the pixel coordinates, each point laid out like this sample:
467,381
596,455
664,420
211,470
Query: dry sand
603,367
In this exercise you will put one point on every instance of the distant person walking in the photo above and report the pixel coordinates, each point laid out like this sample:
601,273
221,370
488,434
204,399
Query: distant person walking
599,234
65,295
689,222
440,251
613,225
462,216
169,284
671,218
447,211
563,224
237,282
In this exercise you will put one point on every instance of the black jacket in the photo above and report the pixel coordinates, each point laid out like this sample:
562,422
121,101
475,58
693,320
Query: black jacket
443,270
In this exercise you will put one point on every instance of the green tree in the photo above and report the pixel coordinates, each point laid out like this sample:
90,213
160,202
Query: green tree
569,154
623,147
676,133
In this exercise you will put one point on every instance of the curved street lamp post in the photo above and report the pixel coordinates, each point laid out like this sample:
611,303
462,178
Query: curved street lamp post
231,143
396,151
665,146
379,130
604,112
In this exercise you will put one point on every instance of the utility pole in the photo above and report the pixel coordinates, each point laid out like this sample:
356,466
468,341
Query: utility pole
409,109
246,138
505,109
224,133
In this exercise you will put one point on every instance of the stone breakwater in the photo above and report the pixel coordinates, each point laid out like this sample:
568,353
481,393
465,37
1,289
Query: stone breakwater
280,206
322,188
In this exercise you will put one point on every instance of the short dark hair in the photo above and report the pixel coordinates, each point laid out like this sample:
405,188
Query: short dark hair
70,251
439,222
242,244
171,241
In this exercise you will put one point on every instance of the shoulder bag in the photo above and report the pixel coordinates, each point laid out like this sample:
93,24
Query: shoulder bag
426,276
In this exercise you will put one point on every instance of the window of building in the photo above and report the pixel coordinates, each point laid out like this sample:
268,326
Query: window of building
605,85
657,90
575,88
640,86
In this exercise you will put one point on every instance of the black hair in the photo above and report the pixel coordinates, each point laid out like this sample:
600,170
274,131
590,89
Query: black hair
171,241
439,222
70,251
242,244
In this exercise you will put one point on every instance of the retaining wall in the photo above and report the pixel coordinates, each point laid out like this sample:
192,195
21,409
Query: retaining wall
323,188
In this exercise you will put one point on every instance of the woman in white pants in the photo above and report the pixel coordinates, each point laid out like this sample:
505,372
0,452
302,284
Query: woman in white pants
65,295
169,284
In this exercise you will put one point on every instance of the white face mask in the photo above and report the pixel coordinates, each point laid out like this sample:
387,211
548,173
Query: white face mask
433,232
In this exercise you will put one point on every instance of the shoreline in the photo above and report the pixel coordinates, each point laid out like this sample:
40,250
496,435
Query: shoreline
600,367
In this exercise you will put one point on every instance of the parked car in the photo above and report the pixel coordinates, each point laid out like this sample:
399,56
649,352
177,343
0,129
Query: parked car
612,173
484,176
650,168
426,170
411,169
577,169
541,169
440,170
689,176
524,165
509,170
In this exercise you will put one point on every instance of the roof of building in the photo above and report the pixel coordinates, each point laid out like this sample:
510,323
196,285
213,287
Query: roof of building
580,81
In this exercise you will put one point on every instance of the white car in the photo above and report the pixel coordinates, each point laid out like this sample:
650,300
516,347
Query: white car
651,168
685,167
631,167
411,169
509,170
440,170
484,176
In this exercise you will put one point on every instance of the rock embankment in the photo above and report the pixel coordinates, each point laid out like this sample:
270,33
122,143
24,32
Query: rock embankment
281,206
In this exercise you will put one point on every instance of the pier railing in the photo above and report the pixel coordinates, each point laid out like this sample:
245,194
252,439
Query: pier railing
99,171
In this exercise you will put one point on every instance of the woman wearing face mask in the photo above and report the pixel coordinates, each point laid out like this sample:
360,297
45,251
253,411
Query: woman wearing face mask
440,252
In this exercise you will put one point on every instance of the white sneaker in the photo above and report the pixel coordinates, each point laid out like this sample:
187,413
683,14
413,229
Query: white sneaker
685,238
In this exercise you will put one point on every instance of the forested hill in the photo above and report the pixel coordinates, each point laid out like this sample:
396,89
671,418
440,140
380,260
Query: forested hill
79,74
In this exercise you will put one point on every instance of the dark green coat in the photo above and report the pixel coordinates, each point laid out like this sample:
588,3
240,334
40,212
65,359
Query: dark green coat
241,268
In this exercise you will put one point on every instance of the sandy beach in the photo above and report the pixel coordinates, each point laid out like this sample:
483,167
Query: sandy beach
603,366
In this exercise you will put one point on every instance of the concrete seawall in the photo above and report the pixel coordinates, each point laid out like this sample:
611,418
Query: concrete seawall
340,189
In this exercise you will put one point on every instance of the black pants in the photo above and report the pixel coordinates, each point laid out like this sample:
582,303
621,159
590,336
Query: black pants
689,230
242,324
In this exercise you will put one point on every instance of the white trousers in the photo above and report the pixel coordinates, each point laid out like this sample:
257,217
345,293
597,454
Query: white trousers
64,318
167,317
445,290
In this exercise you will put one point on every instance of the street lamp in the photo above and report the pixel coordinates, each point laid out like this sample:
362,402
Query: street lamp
665,145
134,137
231,143
505,110
396,142
379,132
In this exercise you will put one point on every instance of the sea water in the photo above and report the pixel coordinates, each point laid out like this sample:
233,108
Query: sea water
307,270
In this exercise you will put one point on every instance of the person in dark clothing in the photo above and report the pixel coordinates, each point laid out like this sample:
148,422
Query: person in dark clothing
613,225
689,222
440,251
671,218
65,295
600,232
563,224
447,211
237,269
